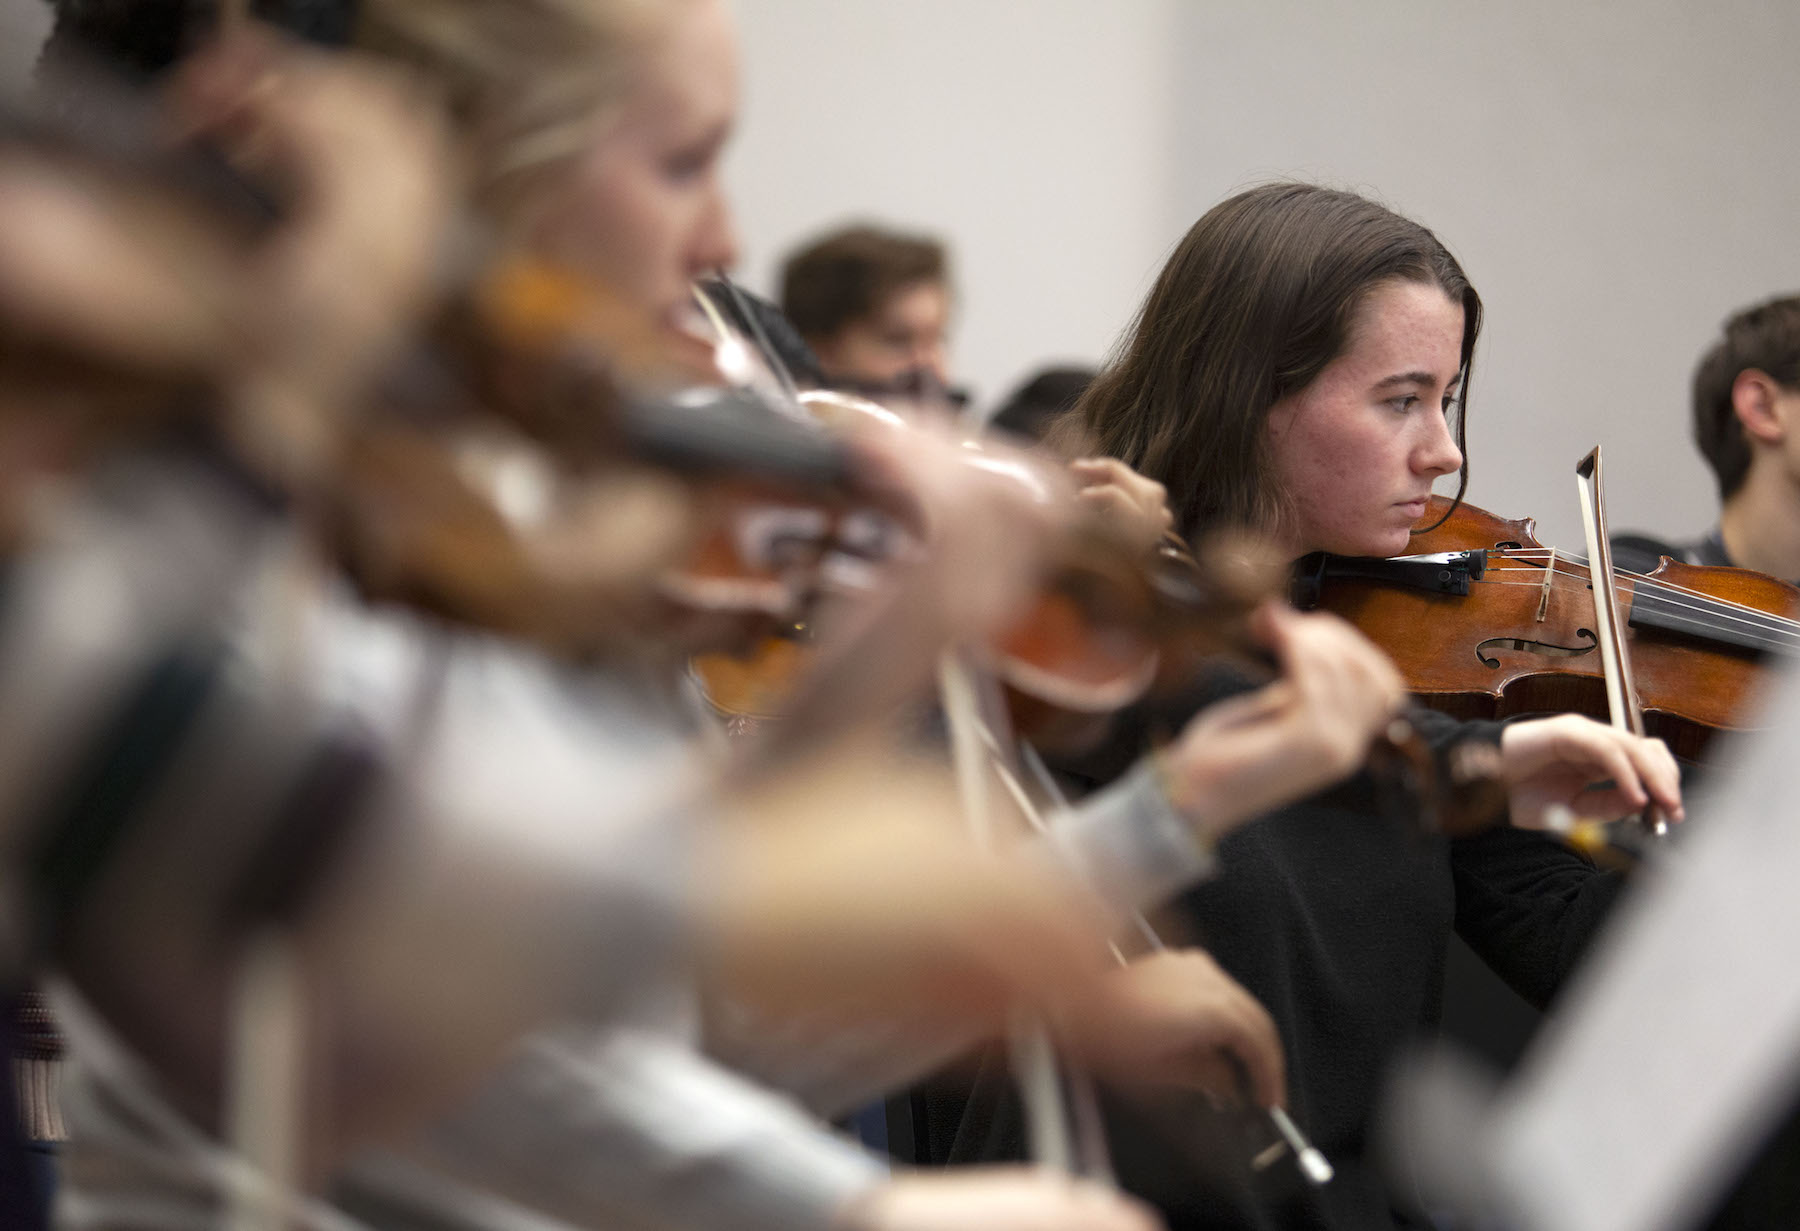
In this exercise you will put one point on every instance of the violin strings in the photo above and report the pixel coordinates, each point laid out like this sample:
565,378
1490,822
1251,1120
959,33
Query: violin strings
1775,636
1682,600
1770,630
1699,600
1702,601
1767,633
1644,579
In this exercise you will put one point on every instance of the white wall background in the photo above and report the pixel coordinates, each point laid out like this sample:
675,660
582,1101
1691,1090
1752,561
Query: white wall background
1034,135
1616,176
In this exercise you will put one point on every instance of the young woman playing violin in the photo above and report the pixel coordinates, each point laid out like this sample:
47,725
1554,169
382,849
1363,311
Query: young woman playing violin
1297,373
615,175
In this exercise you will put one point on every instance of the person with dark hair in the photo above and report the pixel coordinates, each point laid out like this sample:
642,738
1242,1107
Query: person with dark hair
1034,407
1219,392
874,305
1746,406
1297,373
1136,506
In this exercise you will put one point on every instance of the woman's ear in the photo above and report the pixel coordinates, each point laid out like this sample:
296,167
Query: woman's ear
1280,418
1756,399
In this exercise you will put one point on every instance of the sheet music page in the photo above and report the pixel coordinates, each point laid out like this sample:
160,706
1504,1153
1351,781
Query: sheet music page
1680,1043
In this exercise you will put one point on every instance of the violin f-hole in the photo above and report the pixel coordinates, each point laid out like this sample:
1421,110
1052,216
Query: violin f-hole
1526,646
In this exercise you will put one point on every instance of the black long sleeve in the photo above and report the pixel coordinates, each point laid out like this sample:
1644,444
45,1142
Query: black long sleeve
1528,906
1336,915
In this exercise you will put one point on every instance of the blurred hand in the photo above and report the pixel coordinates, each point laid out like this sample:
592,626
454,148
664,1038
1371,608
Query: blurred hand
113,308
361,161
109,270
1594,769
996,1199
983,517
1134,506
1175,1018
1308,729
851,887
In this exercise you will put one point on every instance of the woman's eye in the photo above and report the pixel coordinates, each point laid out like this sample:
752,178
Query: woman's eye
684,167
695,160
1404,404
691,162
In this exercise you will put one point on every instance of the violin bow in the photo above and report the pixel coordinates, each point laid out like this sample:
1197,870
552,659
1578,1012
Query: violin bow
1065,1133
1315,1168
1615,658
784,398
1063,1123
764,345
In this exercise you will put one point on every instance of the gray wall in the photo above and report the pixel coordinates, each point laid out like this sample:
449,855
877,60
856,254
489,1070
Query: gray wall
1615,176
23,25
1036,135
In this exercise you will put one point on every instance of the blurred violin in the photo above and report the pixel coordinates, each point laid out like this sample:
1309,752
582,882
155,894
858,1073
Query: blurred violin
517,463
1486,622
804,549
1085,644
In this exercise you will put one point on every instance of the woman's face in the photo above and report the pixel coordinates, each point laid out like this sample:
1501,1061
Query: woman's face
1356,451
644,210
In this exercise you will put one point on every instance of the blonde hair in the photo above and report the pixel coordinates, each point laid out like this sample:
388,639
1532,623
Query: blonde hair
527,81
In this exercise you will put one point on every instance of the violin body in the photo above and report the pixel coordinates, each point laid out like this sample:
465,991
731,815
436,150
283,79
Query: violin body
1083,646
1522,639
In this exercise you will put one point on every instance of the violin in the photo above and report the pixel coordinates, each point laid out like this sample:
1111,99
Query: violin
1103,626
1484,621
473,471
1106,627
1094,638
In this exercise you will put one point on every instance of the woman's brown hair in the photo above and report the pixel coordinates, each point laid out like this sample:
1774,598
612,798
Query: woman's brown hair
526,81
1257,299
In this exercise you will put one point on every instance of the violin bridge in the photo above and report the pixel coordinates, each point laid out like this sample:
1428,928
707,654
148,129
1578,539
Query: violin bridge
1544,593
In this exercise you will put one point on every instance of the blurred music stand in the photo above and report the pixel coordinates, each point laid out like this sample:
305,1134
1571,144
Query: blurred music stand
1671,1056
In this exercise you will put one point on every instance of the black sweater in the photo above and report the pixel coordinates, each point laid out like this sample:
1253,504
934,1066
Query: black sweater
1336,917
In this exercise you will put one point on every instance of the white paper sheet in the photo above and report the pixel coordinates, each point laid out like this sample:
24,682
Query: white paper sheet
1681,1042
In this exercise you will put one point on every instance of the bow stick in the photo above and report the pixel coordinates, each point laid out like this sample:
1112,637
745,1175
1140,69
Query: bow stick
1064,1127
1313,1164
1065,1133
1621,688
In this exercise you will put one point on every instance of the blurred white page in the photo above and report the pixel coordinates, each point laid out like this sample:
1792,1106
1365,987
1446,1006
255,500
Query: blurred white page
1681,1042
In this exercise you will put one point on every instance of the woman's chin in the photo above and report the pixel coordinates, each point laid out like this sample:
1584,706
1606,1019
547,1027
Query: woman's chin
1377,543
